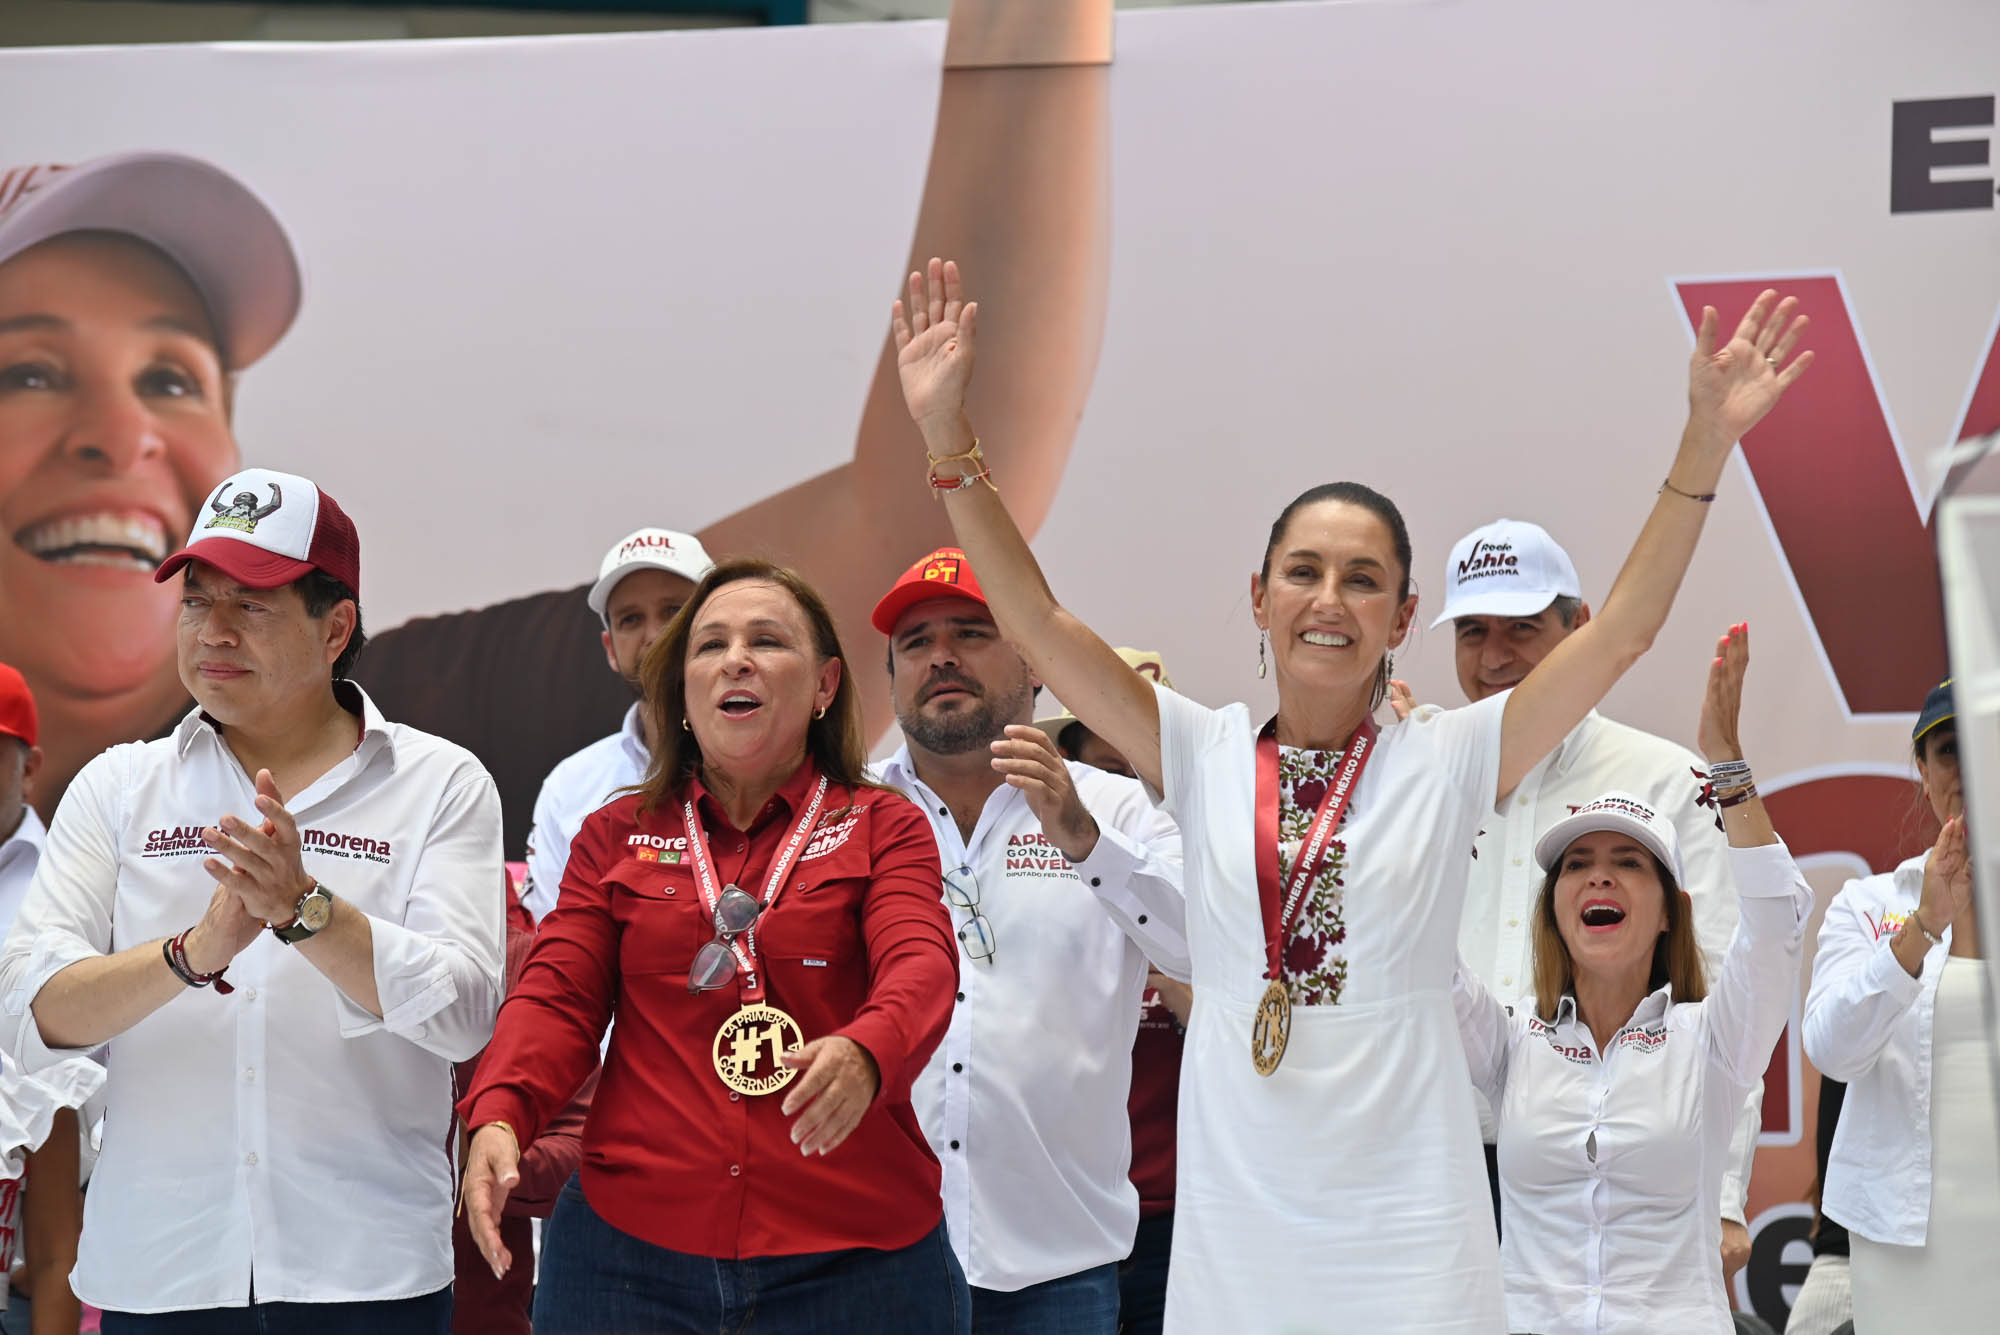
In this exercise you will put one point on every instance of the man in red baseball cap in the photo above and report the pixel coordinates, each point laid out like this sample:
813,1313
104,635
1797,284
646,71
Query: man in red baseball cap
20,757
1062,881
340,870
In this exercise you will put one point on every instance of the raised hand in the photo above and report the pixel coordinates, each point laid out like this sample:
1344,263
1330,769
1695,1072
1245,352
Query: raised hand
1732,386
1722,702
1947,893
934,333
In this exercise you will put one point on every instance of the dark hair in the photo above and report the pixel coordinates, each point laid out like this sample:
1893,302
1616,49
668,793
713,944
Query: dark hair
1348,493
834,740
1676,955
321,593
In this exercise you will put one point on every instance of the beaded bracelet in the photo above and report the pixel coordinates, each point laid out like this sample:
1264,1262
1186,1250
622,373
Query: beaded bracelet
941,485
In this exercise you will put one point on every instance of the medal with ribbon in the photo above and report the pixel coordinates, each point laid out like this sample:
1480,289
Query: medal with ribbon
749,1045
1271,1027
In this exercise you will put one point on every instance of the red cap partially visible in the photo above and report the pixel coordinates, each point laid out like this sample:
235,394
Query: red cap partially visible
17,707
265,529
943,574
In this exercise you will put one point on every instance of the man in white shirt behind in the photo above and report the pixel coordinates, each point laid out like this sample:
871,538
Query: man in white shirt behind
1512,595
642,584
1062,881
284,918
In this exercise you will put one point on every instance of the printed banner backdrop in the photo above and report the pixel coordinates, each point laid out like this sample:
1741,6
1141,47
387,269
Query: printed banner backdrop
558,289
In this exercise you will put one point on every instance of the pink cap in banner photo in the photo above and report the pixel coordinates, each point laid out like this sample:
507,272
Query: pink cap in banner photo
1620,812
265,529
648,549
227,240
1508,568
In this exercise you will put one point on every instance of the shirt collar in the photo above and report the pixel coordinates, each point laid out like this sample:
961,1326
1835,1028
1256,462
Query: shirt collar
900,770
30,831
374,728
794,794
1652,1008
1909,875
632,735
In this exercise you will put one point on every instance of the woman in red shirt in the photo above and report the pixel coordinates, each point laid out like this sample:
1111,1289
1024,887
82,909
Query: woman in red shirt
771,931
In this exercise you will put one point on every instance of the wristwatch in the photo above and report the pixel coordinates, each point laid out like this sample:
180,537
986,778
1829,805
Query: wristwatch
313,912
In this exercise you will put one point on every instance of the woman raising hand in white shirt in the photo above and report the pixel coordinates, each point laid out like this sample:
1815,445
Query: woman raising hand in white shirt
1617,1082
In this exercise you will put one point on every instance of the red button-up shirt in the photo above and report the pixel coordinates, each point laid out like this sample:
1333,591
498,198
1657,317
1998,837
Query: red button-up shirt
858,944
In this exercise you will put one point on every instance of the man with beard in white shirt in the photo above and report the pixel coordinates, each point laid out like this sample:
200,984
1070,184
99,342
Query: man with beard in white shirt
285,919
1062,881
1511,596
642,583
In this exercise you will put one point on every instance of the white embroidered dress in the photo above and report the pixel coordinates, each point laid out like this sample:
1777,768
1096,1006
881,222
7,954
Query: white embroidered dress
1347,1191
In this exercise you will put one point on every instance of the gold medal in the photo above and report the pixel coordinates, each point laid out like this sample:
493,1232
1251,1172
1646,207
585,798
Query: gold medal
749,1044
1271,1028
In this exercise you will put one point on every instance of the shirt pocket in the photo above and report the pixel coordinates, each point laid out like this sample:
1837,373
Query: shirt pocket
817,920
661,921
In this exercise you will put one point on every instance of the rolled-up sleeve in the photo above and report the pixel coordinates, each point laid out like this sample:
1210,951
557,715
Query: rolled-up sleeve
66,917
438,971
1135,871
912,956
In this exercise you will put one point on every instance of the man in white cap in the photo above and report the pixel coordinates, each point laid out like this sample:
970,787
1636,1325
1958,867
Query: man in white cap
285,919
642,583
1512,595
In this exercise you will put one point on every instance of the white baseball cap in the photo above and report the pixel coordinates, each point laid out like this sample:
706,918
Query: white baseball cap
1509,568
228,242
648,549
1614,811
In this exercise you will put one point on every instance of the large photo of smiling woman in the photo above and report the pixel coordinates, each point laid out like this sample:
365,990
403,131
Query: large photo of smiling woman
133,290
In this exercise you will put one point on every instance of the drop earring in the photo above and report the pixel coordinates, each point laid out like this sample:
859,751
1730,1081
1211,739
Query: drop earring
1260,655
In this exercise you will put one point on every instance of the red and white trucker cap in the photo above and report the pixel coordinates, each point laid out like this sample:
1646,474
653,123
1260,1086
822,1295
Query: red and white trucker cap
1509,568
1623,813
265,529
648,549
226,239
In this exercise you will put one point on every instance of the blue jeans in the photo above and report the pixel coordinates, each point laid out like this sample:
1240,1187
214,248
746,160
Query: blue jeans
1142,1277
598,1280
427,1315
1085,1303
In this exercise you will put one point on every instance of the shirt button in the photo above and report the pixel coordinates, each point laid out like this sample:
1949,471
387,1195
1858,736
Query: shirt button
958,1066
734,1097
250,994
1506,982
1517,862
1097,880
251,1158
954,1144
1142,920
736,1170
944,811
961,996
250,1075
1513,922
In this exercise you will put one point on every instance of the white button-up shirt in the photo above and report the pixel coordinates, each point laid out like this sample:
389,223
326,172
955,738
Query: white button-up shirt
1496,935
1869,1023
1611,1162
18,855
280,1139
1025,1100
579,784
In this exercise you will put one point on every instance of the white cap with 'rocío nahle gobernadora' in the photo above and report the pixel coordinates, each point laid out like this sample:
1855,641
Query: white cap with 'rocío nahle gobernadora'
1509,568
265,529
648,548
1614,811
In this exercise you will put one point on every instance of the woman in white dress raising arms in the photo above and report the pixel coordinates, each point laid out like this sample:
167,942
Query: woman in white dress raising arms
1331,1176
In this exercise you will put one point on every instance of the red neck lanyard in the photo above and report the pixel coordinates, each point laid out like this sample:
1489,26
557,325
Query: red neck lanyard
1318,841
750,983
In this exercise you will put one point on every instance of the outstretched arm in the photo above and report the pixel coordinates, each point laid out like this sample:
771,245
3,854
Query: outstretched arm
1730,388
1017,185
935,332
